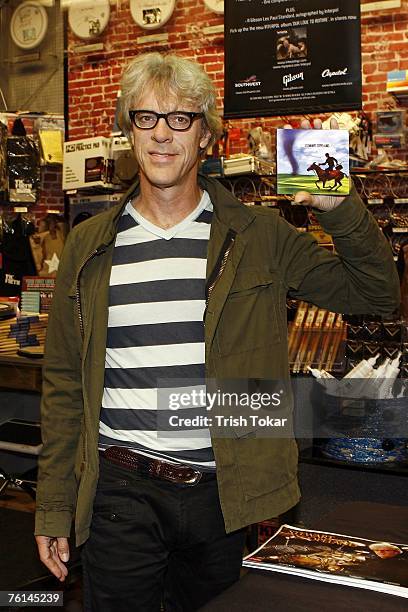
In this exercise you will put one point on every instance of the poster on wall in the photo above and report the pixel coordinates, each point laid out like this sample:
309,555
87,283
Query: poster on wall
285,57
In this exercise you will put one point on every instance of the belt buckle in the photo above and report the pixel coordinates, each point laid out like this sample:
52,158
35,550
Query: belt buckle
189,481
195,479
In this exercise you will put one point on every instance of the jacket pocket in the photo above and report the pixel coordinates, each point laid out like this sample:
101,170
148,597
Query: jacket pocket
274,468
249,319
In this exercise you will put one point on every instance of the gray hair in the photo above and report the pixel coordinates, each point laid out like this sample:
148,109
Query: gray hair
168,76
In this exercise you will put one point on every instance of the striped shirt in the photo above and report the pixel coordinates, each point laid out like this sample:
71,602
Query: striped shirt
155,339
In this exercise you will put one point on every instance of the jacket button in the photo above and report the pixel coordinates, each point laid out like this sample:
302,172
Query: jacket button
113,517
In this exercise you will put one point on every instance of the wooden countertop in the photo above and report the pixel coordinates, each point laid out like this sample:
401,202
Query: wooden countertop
20,373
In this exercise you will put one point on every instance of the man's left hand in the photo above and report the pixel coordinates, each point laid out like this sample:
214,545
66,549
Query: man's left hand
321,202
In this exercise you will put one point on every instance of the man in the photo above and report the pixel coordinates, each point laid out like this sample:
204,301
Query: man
285,49
179,282
331,162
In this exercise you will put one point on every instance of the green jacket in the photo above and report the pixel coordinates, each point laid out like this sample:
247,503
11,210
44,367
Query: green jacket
255,258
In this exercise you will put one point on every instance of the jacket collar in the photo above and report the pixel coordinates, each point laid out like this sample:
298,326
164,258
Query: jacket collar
227,209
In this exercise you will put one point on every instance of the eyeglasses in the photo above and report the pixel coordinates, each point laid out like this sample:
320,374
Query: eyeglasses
177,120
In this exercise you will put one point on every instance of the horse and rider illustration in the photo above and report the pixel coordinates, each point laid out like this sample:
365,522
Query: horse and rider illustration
333,172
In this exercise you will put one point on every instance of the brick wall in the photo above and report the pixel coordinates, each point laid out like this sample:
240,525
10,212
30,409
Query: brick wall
93,80
51,196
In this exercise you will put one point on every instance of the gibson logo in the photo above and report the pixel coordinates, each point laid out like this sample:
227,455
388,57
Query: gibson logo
328,74
288,78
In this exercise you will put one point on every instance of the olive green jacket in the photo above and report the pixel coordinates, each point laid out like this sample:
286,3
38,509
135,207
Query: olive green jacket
255,258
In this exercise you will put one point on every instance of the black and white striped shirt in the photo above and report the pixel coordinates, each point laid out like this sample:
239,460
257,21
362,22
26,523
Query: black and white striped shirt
156,332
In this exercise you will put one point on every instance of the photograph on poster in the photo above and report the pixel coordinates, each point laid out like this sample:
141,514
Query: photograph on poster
316,161
291,44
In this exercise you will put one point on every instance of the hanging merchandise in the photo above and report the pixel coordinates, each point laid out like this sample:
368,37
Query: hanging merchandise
47,244
49,131
361,134
52,142
23,164
15,253
259,143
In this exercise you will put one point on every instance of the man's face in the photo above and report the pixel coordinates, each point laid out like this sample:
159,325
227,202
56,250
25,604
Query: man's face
386,552
168,157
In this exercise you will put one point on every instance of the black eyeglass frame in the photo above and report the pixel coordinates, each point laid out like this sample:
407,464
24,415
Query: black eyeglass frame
192,116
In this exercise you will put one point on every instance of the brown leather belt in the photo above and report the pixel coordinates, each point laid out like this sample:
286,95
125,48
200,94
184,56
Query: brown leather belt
155,468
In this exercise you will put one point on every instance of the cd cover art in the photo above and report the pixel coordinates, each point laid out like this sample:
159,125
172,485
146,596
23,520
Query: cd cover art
316,161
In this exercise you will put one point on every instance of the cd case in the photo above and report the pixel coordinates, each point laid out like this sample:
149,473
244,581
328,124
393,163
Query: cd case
316,161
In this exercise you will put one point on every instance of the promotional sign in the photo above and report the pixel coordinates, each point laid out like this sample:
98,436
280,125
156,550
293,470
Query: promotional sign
286,57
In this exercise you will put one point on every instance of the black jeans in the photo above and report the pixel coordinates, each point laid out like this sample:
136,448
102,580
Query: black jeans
156,543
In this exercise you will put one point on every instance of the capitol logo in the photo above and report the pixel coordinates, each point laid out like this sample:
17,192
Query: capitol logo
328,74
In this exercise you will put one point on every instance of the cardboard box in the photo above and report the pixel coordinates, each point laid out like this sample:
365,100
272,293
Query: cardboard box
125,166
239,165
83,207
87,163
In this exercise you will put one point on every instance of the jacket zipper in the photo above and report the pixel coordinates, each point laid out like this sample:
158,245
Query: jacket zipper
220,265
94,253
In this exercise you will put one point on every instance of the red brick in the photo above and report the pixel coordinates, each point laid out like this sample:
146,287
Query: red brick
388,66
401,25
369,68
379,77
398,46
370,106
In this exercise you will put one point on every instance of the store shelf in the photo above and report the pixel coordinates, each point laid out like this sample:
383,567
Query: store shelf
314,456
387,183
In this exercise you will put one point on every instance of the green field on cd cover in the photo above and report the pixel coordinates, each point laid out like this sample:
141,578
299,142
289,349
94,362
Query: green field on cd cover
290,184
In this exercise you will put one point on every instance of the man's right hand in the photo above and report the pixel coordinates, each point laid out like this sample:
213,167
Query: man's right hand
53,551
